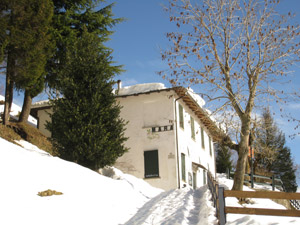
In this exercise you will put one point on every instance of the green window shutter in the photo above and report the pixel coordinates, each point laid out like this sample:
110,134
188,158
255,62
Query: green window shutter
181,119
210,147
192,128
183,167
202,138
151,164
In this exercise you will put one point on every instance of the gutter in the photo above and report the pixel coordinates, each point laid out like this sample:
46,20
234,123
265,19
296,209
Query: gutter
177,147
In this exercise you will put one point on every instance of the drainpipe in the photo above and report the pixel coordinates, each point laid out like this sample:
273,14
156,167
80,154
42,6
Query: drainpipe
177,147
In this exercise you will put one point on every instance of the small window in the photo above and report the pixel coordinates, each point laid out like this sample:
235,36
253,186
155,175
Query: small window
210,147
151,164
202,138
183,167
192,128
181,119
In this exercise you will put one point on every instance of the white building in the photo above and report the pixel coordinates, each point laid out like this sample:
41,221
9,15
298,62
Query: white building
170,135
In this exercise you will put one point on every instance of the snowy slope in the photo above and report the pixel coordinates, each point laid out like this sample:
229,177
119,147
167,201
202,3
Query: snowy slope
90,198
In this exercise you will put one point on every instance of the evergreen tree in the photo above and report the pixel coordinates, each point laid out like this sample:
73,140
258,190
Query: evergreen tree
223,159
86,127
24,43
70,17
268,142
284,167
272,155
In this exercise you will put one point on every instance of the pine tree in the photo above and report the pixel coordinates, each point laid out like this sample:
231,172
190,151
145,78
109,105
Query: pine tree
284,167
223,159
70,18
268,142
24,44
272,155
86,127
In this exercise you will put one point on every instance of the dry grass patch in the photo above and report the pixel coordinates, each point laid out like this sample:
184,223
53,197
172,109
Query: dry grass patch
17,131
49,193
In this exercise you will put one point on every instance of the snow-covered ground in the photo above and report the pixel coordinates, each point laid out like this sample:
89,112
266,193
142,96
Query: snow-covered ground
91,198
88,197
15,110
237,219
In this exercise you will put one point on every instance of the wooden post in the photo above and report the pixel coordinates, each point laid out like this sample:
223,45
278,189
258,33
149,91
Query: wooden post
221,208
273,182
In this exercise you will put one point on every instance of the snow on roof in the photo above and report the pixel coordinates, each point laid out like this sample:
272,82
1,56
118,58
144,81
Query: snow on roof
196,97
40,104
140,88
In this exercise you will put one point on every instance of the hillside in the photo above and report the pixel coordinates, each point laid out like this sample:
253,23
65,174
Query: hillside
90,198
26,131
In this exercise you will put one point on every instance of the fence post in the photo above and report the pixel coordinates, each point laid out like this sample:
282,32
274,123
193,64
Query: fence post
228,173
273,182
221,208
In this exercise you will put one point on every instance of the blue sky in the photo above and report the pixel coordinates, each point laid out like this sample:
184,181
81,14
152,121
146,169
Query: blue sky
137,43
138,40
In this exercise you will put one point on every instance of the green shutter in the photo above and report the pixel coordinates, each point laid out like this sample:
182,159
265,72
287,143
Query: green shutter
183,167
192,128
202,138
151,163
210,147
181,120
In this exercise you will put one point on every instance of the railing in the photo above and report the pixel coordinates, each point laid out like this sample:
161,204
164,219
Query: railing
217,198
275,182
219,195
261,211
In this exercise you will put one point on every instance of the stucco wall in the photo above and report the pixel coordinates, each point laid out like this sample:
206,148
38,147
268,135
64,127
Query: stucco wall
43,116
143,112
192,147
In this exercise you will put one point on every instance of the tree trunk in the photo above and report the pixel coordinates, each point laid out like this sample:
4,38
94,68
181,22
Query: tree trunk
240,169
9,88
26,107
243,154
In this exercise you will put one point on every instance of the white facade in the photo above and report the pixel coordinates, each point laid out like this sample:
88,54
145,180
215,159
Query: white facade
154,124
169,145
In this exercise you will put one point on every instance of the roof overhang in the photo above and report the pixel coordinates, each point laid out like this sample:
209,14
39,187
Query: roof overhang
217,134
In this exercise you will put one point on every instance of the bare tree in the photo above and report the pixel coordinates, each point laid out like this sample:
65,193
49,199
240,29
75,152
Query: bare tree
234,50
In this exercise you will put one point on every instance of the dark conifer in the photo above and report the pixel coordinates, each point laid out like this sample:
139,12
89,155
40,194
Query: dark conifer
86,127
223,158
283,167
24,44
272,155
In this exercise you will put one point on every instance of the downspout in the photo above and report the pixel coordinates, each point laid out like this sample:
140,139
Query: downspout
177,147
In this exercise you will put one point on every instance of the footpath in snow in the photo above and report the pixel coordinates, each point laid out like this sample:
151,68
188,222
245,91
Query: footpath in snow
184,206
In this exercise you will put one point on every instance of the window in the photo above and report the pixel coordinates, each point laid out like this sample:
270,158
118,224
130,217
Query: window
210,147
192,128
183,167
202,138
151,164
181,121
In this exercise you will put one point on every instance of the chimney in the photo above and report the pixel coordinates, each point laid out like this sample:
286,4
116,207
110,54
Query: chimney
119,84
